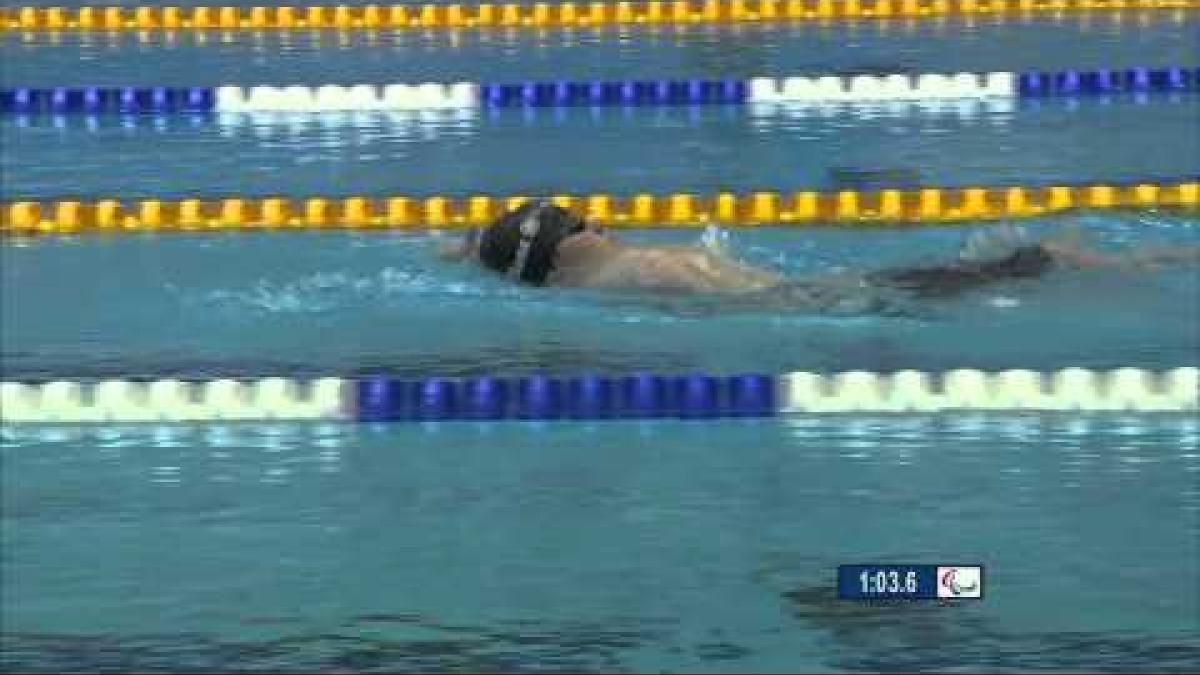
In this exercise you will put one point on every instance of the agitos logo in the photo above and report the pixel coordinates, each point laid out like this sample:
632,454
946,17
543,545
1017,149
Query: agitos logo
960,582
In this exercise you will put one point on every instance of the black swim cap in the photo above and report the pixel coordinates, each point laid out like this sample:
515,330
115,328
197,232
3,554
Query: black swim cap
522,242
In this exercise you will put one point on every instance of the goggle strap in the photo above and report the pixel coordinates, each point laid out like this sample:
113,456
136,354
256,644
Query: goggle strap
529,230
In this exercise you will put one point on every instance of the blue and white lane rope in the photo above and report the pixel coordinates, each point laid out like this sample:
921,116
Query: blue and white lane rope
431,123
384,399
832,88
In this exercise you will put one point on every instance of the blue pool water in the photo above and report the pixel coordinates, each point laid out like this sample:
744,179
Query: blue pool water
666,546
656,546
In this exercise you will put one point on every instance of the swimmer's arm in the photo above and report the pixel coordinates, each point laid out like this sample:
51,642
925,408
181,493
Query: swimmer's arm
1161,256
1148,257
1078,257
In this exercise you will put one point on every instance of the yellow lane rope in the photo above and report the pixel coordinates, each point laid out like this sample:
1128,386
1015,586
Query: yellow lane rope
643,210
539,14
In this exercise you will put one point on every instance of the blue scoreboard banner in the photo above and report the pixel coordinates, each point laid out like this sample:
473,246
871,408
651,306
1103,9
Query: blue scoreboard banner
910,582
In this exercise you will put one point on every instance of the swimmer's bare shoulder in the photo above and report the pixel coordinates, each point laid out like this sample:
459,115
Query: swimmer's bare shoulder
679,270
629,269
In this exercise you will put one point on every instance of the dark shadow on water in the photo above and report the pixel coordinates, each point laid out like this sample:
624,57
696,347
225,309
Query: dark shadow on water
907,636
363,645
873,178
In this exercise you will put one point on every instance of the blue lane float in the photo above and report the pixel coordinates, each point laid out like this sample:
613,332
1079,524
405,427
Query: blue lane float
565,93
106,100
644,92
538,397
1134,80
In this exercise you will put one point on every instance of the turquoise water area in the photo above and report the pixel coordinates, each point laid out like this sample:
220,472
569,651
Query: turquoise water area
667,546
630,546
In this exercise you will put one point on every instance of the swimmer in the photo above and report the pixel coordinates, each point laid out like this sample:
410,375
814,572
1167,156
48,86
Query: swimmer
542,244
546,245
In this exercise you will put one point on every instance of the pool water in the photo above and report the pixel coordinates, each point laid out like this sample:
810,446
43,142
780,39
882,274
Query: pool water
621,546
660,546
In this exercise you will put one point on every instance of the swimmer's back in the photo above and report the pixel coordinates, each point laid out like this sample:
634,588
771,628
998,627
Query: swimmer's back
671,270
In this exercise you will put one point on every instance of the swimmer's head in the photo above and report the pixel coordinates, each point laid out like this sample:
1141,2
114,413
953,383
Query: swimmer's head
522,243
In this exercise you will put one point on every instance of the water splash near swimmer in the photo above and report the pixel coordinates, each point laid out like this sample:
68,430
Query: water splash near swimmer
994,243
716,239
840,296
331,291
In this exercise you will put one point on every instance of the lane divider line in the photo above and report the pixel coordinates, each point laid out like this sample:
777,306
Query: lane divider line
563,93
513,15
638,396
642,210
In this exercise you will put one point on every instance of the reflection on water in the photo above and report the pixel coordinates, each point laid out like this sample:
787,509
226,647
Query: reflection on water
344,129
204,451
772,116
261,436
324,129
903,441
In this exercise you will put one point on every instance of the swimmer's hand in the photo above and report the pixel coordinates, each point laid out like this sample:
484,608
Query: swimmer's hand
715,240
993,243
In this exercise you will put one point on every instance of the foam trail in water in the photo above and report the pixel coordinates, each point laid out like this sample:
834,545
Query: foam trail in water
330,290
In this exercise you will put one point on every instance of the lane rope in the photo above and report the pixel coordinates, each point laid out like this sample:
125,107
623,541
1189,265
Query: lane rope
696,396
428,124
643,210
431,123
540,14
455,39
562,93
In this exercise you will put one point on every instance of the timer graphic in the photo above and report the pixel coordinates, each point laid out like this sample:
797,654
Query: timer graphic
888,581
909,582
